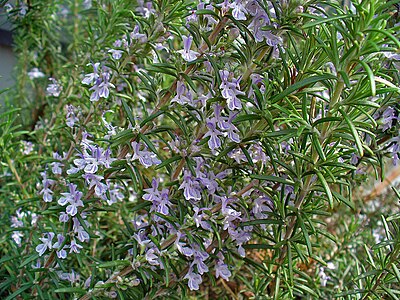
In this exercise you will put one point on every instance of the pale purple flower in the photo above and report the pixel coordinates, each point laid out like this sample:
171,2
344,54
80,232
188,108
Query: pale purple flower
183,94
54,88
35,73
354,158
46,191
115,193
145,157
231,215
91,158
46,243
117,44
239,11
101,87
187,251
152,256
56,165
210,19
257,153
198,259
146,9
191,187
388,116
225,6
8,7
194,280
260,20
71,277
16,222
214,142
28,147
74,247
73,197
199,216
160,200
135,35
187,54
71,118
61,253
17,237
395,149
230,90
238,155
221,269
231,129
78,229
286,145
92,77
141,238
116,54
93,180
64,217
262,205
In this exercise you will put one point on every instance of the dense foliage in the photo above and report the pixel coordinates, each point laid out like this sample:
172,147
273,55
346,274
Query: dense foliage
175,149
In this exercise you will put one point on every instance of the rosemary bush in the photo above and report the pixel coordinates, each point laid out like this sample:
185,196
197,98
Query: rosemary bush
185,150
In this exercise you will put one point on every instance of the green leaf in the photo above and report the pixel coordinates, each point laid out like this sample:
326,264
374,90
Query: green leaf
354,132
19,291
370,75
305,234
149,144
30,259
115,263
272,178
301,84
326,188
318,147
258,246
386,33
202,12
168,161
162,68
261,221
324,20
151,117
128,112
343,199
71,290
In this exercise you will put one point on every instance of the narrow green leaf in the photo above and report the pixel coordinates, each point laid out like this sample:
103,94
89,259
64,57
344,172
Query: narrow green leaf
326,188
353,132
19,291
151,117
343,199
261,221
30,259
272,178
168,161
149,144
258,246
128,112
384,32
324,20
370,75
70,290
318,147
115,263
305,234
301,84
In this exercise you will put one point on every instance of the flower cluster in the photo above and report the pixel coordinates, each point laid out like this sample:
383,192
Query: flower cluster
99,79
